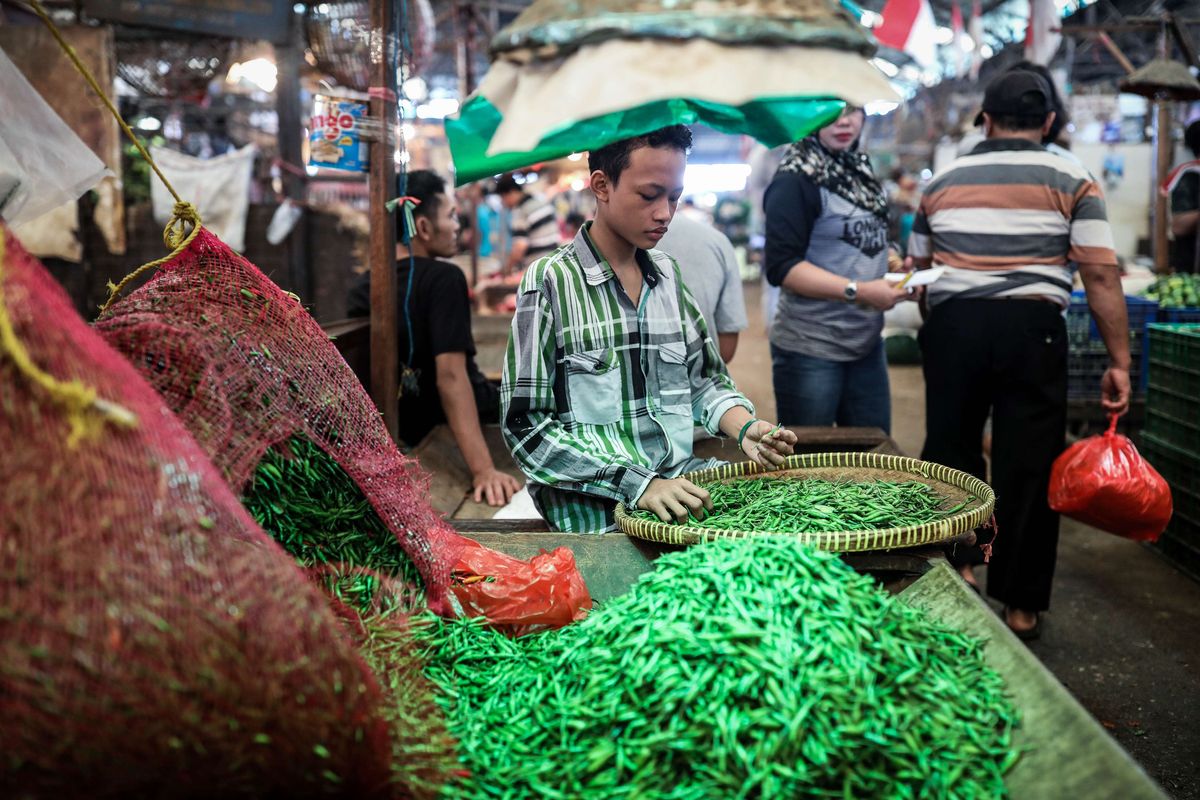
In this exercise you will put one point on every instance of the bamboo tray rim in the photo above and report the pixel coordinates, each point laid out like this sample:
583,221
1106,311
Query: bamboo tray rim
937,476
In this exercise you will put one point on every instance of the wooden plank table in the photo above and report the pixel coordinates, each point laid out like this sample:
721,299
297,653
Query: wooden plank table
451,480
610,562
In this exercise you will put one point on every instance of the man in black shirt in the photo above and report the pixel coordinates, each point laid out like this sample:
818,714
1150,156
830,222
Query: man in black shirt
434,338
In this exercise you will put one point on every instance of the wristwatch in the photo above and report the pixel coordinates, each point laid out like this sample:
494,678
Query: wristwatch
851,291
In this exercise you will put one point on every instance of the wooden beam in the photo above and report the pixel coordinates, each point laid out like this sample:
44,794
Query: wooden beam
385,371
1115,51
1111,27
1184,40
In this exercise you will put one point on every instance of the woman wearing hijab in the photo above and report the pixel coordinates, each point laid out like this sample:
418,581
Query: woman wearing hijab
827,247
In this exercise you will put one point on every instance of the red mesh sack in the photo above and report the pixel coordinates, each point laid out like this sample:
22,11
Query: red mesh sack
153,640
519,597
1104,482
246,367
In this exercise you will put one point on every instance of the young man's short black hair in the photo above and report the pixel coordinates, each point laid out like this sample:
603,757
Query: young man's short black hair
612,159
426,186
1191,138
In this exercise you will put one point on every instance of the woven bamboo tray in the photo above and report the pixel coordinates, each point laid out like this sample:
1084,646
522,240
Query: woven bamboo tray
951,484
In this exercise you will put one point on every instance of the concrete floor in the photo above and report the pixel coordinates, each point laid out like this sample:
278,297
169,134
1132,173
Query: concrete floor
1123,632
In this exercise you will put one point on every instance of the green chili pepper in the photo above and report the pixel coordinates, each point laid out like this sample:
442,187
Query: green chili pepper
739,668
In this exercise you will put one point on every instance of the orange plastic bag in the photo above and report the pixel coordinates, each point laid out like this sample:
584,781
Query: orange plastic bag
1104,482
519,597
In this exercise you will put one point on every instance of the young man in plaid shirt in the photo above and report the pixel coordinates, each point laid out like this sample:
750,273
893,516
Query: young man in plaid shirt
610,362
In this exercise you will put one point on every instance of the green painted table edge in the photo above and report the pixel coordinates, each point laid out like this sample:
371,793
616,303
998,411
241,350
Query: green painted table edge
1068,753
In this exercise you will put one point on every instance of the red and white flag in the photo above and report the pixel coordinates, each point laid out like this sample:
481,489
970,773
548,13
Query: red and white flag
1044,33
956,45
976,31
909,25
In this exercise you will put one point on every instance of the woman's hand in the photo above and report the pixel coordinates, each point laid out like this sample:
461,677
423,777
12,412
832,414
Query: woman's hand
768,445
881,294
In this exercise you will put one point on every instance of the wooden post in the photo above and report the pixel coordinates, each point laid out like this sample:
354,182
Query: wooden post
467,28
385,367
1162,163
288,58
1163,155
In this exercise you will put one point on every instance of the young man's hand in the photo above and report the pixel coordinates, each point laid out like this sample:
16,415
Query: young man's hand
1115,391
767,448
674,498
495,486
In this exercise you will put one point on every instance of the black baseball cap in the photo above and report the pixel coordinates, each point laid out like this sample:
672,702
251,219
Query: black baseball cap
1019,93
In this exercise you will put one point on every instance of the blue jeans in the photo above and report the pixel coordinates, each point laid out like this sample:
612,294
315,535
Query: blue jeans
817,391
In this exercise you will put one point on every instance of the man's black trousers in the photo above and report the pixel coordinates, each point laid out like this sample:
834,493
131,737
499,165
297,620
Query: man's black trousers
1009,358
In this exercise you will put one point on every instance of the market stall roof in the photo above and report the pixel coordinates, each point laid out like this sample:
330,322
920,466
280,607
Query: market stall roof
542,102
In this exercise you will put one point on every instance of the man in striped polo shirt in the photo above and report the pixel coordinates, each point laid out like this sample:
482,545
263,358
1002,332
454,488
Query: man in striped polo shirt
1005,220
534,224
610,361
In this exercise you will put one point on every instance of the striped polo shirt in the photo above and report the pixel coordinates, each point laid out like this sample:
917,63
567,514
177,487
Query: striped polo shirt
1006,220
534,219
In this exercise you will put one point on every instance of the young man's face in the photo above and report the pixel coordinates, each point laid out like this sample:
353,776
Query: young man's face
640,206
439,233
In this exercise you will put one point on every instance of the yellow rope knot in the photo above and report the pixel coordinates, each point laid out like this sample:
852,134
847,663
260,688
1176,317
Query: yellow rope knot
176,236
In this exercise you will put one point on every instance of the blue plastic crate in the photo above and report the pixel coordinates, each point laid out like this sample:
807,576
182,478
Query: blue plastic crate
1179,314
1082,328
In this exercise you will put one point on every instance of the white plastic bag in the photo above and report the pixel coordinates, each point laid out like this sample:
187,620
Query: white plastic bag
43,164
282,222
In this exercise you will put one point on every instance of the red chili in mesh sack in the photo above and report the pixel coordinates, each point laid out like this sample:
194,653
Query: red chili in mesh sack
1104,482
246,367
518,597
154,642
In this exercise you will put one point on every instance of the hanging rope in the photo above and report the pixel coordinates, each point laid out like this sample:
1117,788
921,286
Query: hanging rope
175,236
76,397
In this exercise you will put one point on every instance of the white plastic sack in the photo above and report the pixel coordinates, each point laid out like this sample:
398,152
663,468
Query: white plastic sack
218,187
282,222
43,164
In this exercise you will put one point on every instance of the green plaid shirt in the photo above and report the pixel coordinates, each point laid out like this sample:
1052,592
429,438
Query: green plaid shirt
598,396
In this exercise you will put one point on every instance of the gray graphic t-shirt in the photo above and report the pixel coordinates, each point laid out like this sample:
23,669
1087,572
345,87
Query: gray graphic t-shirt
808,222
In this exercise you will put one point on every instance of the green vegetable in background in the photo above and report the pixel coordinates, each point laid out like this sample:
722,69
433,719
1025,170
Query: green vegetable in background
1175,291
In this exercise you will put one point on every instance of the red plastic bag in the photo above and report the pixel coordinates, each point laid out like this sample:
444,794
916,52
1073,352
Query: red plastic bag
519,597
1103,481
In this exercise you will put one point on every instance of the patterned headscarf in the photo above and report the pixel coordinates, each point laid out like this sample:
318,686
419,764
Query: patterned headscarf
847,173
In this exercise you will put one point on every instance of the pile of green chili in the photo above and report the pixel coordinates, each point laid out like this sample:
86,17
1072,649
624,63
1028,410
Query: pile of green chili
307,503
813,505
739,668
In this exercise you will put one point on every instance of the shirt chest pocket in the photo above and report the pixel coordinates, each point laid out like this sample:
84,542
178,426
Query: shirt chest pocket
594,387
674,386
